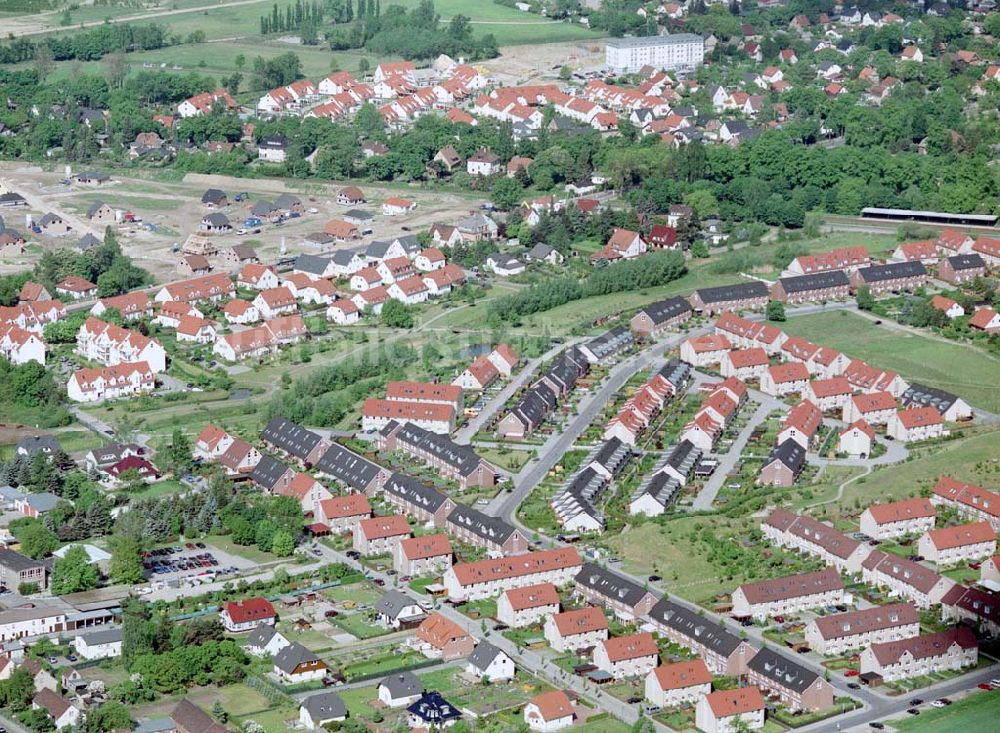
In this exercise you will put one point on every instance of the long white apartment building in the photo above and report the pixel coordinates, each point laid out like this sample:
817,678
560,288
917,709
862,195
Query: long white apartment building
674,52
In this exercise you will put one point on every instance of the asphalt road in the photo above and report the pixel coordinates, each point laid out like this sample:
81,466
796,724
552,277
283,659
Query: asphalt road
525,659
557,445
876,705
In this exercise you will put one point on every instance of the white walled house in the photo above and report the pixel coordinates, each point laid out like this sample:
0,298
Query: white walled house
843,632
897,519
110,345
945,651
791,594
488,663
532,604
109,383
380,535
423,555
488,578
577,629
681,683
549,712
627,656
726,711
965,542
103,644
856,440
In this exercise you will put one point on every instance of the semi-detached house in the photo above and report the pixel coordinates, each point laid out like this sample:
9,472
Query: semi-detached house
680,683
423,555
581,628
531,604
380,535
627,656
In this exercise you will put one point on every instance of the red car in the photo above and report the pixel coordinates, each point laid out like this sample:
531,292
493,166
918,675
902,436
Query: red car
851,673
985,686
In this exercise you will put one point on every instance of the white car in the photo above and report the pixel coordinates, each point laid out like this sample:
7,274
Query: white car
937,704
995,681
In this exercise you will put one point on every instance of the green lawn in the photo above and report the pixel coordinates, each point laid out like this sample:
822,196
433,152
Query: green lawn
168,486
235,30
964,370
977,712
966,459
357,625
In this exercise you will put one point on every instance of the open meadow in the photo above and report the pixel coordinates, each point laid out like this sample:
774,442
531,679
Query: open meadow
965,370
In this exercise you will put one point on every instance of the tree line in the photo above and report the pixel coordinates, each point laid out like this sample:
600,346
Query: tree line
91,44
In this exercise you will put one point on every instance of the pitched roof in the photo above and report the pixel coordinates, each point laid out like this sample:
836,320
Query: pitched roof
853,623
249,609
553,705
293,655
679,675
947,538
438,631
324,706
532,596
426,546
740,700
902,511
970,495
924,646
792,586
580,621
483,571
610,585
915,417
634,646
782,671
908,572
376,528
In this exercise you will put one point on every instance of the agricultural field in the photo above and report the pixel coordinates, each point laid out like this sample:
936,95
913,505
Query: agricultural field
964,370
232,28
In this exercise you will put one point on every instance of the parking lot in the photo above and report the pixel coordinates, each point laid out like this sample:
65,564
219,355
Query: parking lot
192,562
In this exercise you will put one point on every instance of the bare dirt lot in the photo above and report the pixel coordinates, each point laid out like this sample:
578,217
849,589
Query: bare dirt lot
175,210
541,63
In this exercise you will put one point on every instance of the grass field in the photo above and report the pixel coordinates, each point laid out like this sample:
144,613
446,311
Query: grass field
977,712
964,370
234,29
973,459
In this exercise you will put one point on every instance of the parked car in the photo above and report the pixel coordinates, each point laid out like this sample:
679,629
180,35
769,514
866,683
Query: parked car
876,725
913,711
